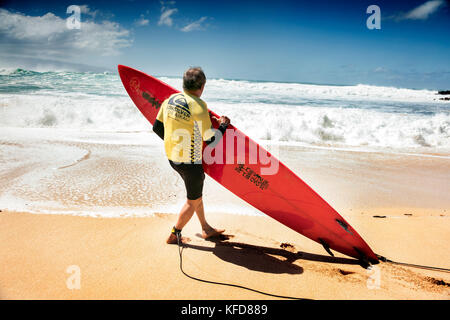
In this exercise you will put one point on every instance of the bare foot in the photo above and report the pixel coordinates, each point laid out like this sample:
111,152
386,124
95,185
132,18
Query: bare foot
172,239
211,232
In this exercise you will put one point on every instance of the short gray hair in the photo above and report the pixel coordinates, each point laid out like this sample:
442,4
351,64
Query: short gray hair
193,79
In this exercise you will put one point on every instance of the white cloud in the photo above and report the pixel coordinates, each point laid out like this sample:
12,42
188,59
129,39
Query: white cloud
48,36
380,69
86,10
166,18
423,11
196,25
142,21
168,10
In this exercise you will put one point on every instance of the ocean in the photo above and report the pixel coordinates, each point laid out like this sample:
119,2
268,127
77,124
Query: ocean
359,116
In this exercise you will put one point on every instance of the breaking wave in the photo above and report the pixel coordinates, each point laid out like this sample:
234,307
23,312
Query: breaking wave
359,115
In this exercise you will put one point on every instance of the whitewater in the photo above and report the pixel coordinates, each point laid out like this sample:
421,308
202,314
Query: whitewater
359,116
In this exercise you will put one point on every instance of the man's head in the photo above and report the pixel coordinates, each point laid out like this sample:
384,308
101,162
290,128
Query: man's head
194,80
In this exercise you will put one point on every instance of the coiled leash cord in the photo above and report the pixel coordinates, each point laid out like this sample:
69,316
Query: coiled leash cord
180,252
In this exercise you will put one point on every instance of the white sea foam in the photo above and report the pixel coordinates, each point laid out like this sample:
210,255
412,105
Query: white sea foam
315,125
351,116
70,112
342,127
50,171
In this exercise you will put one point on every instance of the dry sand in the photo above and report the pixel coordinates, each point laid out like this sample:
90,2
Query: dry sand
126,258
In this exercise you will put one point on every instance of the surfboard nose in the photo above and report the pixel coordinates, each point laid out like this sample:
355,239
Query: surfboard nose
121,67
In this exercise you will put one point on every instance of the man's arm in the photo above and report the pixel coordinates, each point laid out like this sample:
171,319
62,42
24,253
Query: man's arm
214,140
216,137
158,128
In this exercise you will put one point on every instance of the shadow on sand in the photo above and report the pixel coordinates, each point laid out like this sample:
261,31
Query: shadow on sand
264,259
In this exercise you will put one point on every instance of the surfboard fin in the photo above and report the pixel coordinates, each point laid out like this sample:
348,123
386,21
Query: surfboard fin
363,260
326,246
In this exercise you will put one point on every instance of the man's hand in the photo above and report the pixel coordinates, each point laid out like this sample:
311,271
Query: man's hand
224,120
223,124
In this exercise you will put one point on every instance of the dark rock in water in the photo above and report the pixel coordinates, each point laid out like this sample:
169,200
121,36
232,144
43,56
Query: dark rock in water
444,92
445,99
379,216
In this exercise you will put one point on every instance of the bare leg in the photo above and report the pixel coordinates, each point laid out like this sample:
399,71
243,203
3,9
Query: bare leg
207,230
186,213
200,211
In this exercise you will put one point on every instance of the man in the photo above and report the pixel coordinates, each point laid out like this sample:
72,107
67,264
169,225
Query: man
183,121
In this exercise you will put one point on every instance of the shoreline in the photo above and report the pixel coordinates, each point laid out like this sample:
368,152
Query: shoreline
146,137
47,173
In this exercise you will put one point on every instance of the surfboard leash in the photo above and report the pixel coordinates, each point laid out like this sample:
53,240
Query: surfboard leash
384,259
380,257
180,252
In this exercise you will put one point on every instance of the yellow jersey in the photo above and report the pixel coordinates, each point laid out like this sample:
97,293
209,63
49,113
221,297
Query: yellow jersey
186,125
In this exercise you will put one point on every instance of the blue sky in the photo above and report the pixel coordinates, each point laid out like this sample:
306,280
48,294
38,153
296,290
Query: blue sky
300,41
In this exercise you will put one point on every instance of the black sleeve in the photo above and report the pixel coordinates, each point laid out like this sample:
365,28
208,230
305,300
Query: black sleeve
158,128
216,138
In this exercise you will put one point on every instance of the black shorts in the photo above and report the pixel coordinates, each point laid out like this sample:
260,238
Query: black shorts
193,177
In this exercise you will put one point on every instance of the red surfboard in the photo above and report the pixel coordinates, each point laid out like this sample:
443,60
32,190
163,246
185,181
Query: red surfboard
282,196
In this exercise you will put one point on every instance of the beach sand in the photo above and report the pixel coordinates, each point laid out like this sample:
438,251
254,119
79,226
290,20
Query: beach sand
125,256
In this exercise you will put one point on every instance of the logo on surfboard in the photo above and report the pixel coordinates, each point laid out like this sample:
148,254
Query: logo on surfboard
252,176
135,84
153,101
